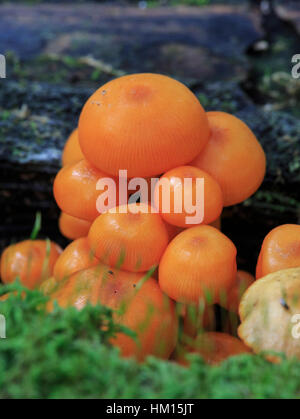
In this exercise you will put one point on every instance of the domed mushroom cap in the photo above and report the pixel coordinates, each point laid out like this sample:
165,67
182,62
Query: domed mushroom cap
180,189
138,304
73,227
232,156
32,261
131,238
280,250
198,263
143,123
76,256
268,314
76,190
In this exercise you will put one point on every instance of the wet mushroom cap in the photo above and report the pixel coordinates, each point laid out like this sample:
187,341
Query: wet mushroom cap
30,260
139,305
75,190
73,228
233,157
132,238
280,250
182,190
75,257
143,123
199,262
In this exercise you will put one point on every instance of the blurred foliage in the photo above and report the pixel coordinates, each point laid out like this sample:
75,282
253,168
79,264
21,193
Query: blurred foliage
66,354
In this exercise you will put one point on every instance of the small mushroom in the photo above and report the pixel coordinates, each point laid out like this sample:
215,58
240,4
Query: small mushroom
76,256
72,227
32,261
198,263
182,211
144,309
132,238
75,190
233,157
280,250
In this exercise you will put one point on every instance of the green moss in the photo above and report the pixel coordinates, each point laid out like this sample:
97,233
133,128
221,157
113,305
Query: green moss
65,354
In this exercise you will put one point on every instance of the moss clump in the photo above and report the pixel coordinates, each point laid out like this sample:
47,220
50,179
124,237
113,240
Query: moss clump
67,355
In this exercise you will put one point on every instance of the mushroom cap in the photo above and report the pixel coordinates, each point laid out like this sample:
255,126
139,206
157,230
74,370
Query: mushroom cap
199,262
138,303
72,227
75,190
210,198
266,311
133,240
280,250
75,257
72,152
143,123
30,260
233,156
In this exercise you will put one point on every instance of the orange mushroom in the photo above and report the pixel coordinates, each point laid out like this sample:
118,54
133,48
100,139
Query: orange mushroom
233,156
76,257
138,302
76,191
143,123
199,262
213,347
72,227
280,250
131,237
32,261
179,195
72,152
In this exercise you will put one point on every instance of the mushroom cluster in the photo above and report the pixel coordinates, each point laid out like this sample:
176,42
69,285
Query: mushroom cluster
129,251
